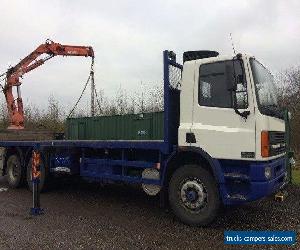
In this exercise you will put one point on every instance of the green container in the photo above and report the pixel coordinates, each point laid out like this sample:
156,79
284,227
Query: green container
147,126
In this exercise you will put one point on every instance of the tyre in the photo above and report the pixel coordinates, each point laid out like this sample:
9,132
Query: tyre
43,178
194,196
14,171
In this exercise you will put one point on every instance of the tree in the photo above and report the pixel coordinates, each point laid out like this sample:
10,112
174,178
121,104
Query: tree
148,99
289,97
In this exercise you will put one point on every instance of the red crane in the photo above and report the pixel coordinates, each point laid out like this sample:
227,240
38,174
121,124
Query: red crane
29,63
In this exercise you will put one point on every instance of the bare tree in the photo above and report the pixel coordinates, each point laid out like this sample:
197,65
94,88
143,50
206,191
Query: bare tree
289,97
156,98
148,99
121,102
3,115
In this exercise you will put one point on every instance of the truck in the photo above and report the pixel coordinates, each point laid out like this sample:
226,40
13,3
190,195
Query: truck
222,140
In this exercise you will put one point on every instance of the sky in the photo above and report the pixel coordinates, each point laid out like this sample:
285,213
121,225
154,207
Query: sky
129,36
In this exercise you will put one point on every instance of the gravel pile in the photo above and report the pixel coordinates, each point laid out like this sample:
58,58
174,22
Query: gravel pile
81,216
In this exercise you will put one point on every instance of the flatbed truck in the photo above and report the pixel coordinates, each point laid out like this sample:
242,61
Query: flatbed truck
223,141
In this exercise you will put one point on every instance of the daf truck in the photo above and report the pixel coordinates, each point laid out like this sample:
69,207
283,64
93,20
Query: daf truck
222,141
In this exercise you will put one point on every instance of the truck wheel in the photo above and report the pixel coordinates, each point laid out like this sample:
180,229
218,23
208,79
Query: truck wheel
14,171
193,195
43,177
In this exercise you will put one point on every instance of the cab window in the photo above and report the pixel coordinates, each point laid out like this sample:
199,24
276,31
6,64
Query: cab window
213,90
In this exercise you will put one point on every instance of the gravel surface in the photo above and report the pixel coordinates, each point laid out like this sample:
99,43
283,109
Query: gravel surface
85,216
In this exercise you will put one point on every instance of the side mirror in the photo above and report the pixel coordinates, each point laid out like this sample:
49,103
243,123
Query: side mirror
231,82
230,79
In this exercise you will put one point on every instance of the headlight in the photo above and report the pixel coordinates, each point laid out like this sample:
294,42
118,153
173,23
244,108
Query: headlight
292,162
268,172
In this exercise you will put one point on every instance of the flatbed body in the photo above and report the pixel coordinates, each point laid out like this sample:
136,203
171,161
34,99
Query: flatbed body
204,152
109,160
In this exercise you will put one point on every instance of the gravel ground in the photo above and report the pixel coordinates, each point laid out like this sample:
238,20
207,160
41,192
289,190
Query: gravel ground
84,216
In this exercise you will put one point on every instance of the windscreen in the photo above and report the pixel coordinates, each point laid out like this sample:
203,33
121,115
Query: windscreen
265,88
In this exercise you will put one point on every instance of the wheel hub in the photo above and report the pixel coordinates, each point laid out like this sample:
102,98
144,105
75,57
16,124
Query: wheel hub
193,194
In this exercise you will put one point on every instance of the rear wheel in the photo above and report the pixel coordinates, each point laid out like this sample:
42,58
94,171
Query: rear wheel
194,195
14,171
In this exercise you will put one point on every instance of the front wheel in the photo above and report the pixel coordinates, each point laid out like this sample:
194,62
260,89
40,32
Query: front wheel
194,195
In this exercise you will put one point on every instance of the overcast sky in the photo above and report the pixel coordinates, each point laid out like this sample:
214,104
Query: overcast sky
129,36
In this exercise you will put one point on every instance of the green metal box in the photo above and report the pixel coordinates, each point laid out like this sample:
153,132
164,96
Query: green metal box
147,126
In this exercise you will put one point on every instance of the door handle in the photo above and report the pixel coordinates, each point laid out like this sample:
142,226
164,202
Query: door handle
190,137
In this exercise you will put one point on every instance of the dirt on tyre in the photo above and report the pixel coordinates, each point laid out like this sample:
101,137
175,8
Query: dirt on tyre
43,183
194,195
14,171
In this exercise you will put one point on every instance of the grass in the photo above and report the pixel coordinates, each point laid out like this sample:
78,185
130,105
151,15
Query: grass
296,176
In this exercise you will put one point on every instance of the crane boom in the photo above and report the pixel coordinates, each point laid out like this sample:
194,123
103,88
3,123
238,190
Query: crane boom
29,63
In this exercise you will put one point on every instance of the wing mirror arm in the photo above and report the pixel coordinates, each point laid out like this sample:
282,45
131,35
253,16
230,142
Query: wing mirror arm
232,86
243,114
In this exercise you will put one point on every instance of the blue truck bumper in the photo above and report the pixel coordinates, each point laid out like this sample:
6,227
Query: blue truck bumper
262,189
245,181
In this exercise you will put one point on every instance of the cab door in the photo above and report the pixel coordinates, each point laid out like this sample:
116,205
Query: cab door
216,126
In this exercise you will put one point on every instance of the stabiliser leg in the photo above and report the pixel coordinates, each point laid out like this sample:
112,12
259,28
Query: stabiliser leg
36,174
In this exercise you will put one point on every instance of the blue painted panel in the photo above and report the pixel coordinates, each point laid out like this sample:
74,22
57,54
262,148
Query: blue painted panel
171,96
159,145
138,164
113,169
126,179
246,179
95,167
253,170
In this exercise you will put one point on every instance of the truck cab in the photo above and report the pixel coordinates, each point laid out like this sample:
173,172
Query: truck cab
229,114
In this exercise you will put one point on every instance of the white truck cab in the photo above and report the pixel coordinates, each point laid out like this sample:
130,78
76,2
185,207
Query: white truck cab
232,127
229,106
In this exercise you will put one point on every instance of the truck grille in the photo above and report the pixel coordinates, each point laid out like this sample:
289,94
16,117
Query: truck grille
277,142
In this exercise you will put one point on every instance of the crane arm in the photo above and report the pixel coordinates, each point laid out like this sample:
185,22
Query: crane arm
29,63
